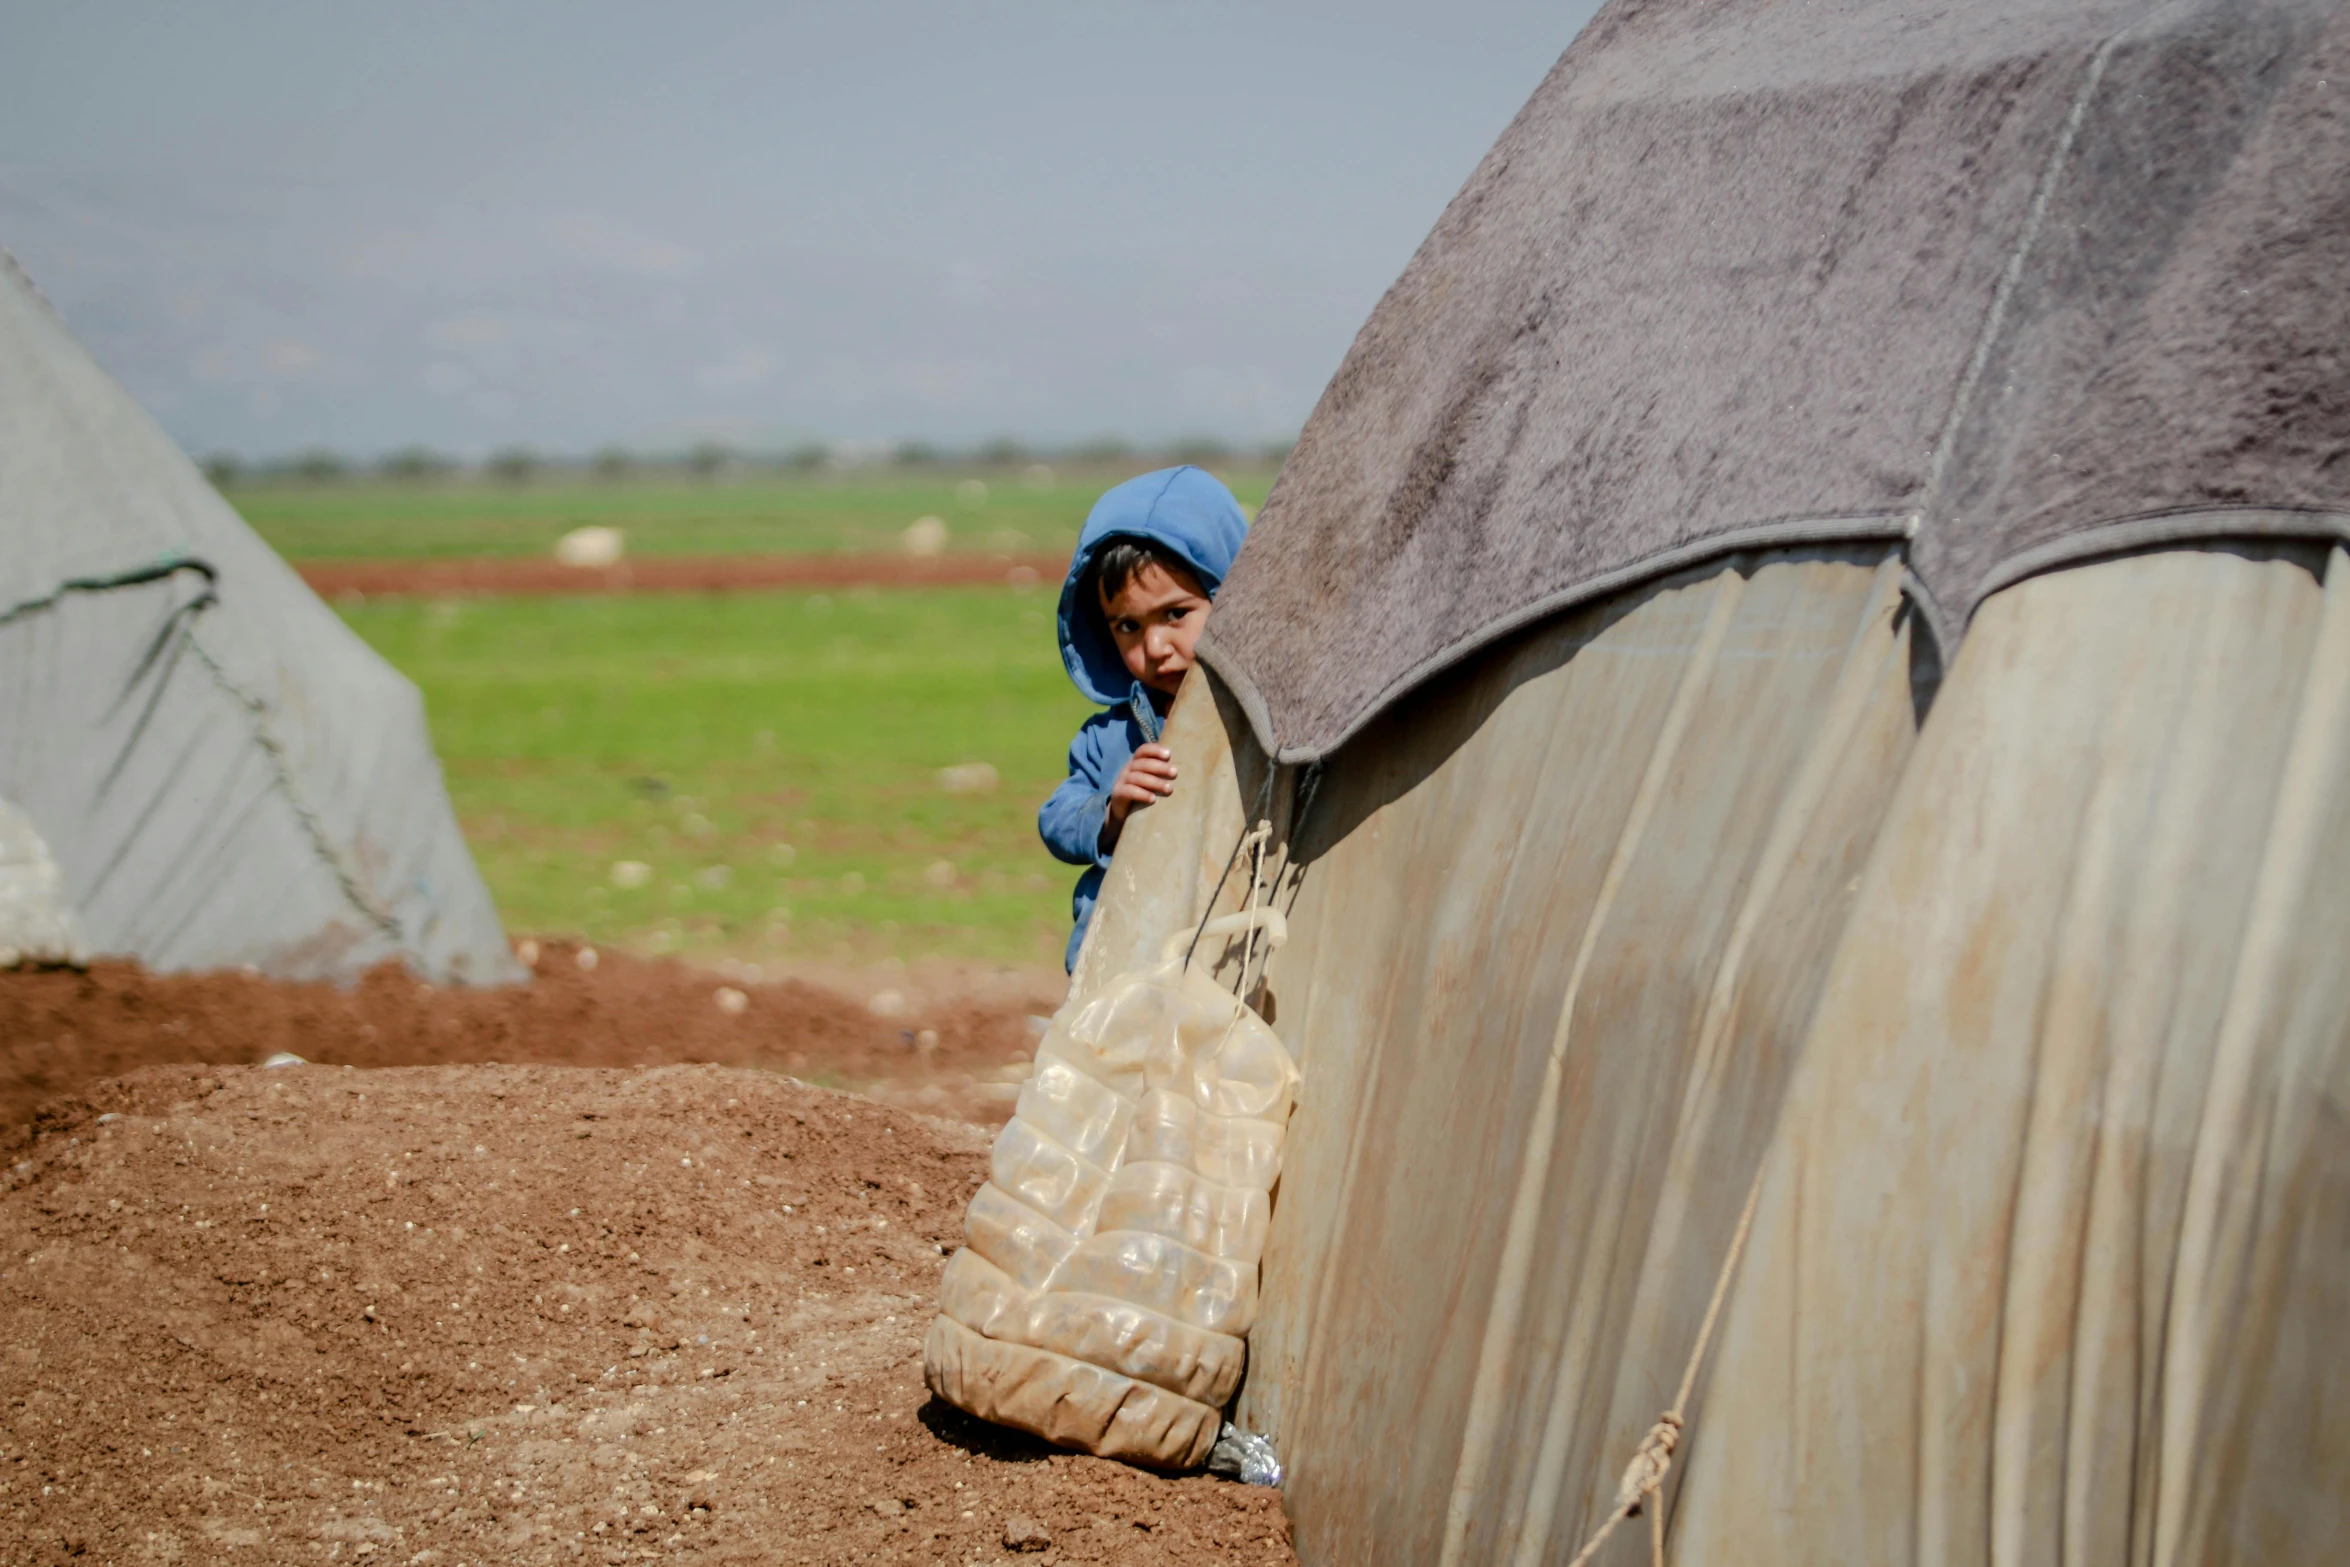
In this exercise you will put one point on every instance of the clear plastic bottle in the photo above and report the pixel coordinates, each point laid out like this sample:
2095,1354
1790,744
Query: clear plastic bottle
1106,1292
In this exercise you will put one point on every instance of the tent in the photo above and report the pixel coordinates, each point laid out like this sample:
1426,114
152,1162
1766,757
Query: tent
205,768
1801,669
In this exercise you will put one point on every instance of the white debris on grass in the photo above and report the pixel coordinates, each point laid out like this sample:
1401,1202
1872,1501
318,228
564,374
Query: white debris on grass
781,855
712,877
940,873
969,778
591,547
926,536
629,873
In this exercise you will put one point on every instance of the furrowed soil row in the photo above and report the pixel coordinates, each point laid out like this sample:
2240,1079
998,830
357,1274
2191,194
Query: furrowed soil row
673,574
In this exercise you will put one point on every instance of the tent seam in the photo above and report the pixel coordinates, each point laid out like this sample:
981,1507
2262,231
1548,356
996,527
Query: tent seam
136,576
2011,275
1846,528
2166,525
256,709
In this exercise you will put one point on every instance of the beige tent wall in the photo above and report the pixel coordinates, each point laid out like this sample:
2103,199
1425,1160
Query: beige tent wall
2053,1259
1541,903
2039,1031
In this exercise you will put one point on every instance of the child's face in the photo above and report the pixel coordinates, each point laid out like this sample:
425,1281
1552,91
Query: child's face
1155,619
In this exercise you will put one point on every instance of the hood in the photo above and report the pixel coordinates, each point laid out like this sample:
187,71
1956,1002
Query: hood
1186,509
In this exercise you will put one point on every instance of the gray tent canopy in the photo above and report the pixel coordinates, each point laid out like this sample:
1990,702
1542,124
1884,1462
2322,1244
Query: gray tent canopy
2015,284
222,772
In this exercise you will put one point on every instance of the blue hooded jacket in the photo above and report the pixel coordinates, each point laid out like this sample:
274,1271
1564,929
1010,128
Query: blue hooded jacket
1188,511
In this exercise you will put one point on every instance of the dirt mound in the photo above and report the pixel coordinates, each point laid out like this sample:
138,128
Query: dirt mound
675,574
61,1028
464,1315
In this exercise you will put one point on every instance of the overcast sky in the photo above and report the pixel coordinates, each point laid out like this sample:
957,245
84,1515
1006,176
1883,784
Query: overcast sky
578,223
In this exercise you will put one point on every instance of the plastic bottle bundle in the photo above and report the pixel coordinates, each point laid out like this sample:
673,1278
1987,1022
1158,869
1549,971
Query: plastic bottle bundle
1105,1297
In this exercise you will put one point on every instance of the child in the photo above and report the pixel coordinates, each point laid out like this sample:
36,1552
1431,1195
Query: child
1152,555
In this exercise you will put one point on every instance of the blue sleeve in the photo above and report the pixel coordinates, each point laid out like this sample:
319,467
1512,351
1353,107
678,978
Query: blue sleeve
1070,820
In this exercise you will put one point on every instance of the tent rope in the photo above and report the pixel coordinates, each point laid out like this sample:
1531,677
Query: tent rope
1259,891
1643,1482
1207,912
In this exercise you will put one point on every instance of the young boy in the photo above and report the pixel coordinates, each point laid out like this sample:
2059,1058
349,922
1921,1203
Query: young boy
1152,555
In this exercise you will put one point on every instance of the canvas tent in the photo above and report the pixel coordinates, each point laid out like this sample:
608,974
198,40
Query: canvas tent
1802,665
205,767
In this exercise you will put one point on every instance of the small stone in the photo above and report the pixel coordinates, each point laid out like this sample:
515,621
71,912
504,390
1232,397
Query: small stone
890,1507
888,1003
1025,1534
731,1001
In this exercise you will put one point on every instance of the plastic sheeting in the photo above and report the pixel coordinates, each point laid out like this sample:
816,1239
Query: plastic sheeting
2037,1033
2053,1257
224,773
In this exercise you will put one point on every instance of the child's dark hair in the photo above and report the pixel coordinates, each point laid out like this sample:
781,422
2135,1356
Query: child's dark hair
1123,559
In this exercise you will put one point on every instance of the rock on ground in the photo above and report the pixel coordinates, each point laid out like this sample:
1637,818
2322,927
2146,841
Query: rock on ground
471,1315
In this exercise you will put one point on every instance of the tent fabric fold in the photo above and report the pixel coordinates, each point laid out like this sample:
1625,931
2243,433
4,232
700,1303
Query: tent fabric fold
2076,1089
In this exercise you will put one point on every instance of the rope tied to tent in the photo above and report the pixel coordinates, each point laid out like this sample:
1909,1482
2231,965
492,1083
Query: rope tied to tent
1651,1462
1642,1486
1240,844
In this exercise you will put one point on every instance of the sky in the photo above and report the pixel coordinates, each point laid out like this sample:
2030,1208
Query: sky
589,223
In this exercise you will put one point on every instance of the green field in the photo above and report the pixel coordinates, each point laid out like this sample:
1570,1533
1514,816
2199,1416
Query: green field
771,758
858,511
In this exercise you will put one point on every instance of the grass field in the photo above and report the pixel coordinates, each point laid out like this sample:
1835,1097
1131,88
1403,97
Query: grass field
858,511
771,759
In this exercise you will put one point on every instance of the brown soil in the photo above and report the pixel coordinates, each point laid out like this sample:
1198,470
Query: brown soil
62,1028
461,1315
674,574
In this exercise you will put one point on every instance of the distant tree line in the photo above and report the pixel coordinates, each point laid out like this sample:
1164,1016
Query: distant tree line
712,460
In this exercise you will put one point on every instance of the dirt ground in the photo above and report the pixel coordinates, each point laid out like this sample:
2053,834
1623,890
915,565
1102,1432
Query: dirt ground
471,1314
675,574
947,1047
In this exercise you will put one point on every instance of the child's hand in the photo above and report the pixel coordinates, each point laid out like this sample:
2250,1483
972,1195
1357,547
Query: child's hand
1147,779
